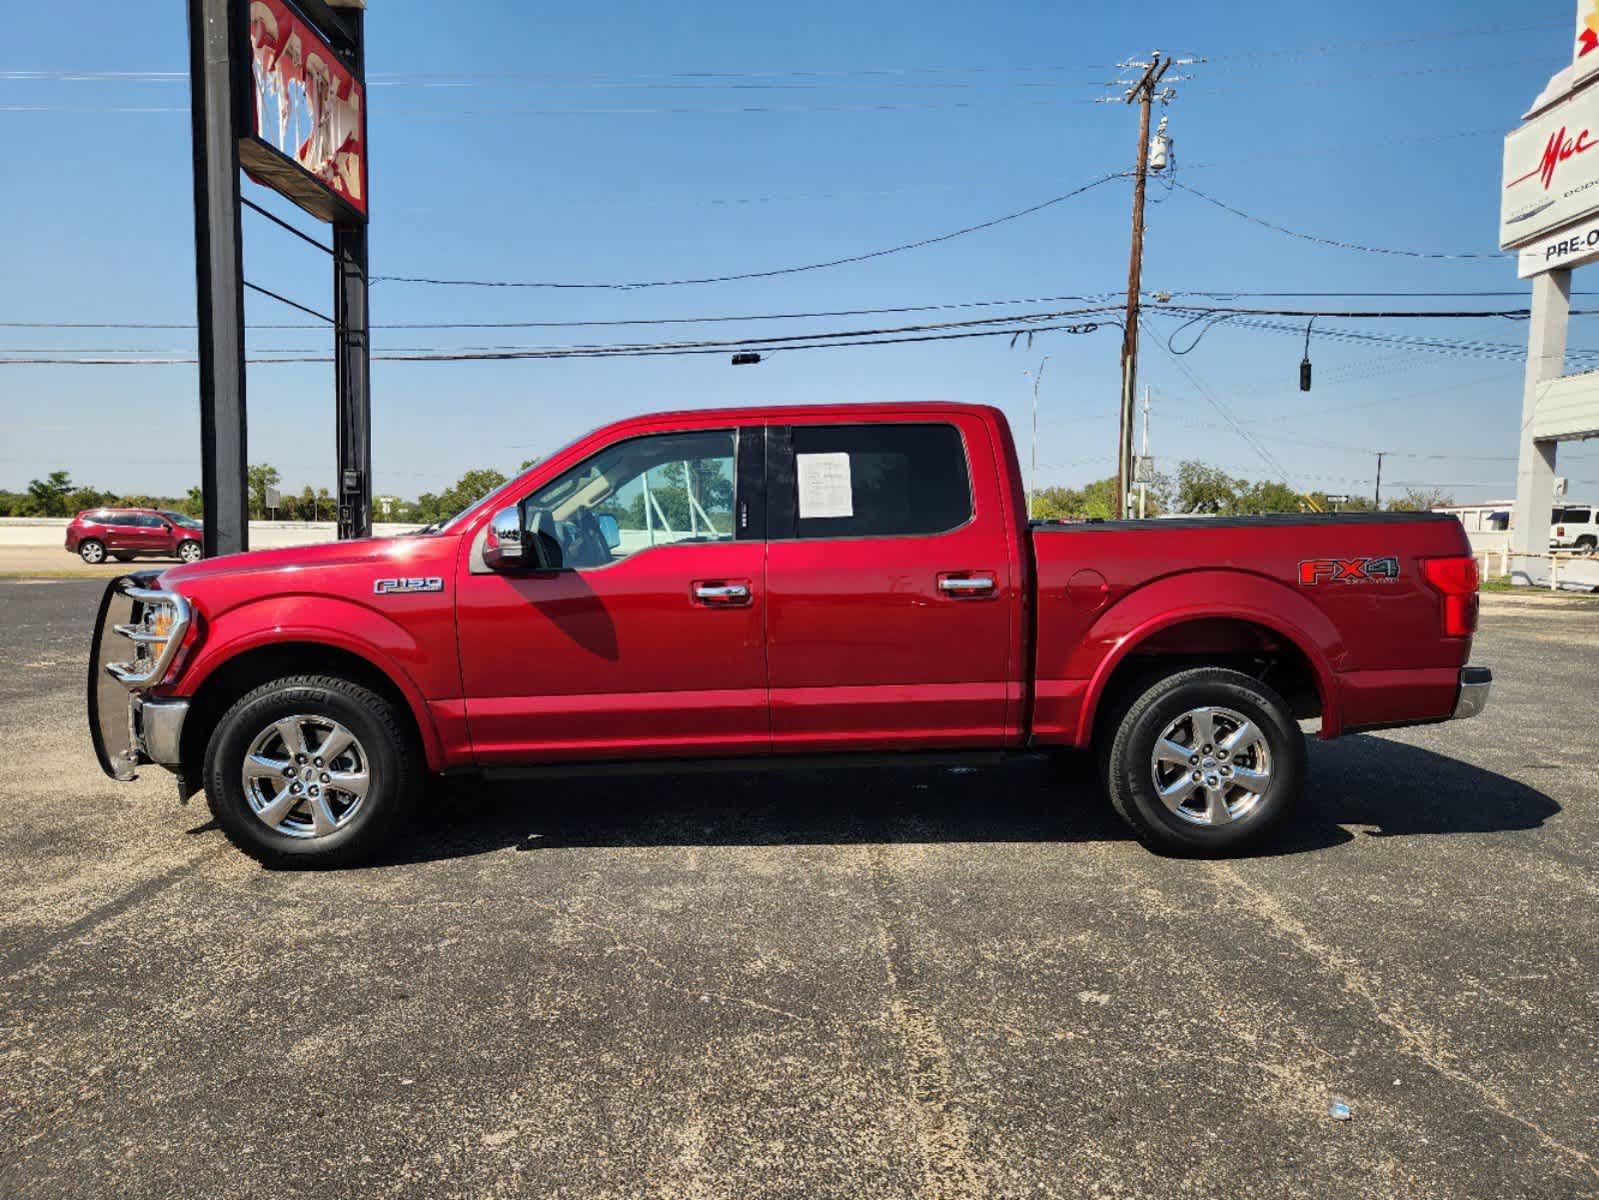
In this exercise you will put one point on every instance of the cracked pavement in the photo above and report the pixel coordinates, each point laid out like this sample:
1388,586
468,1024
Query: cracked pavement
908,982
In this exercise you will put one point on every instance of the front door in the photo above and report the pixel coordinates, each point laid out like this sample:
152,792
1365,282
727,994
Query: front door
650,638
893,598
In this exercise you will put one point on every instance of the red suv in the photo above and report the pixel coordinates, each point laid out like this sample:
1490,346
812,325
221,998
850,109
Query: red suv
124,533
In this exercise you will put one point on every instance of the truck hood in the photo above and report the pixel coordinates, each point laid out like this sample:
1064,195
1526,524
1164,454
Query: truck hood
388,552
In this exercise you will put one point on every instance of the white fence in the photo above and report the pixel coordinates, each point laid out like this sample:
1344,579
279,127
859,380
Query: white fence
22,532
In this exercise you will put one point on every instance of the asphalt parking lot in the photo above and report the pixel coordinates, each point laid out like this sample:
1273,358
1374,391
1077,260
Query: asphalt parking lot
906,983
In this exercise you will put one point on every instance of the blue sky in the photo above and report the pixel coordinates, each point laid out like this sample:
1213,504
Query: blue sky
608,142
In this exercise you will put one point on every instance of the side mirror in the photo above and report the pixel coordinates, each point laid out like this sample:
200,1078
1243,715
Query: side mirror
610,530
503,547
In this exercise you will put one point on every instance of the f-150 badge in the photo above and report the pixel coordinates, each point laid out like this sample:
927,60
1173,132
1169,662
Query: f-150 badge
1313,571
415,583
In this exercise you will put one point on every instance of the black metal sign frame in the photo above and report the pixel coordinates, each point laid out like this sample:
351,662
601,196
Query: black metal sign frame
221,90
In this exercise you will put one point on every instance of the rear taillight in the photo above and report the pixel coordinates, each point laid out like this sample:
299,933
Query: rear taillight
1455,579
1560,531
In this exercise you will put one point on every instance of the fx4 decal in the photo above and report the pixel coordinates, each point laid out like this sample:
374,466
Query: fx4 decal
414,583
1313,571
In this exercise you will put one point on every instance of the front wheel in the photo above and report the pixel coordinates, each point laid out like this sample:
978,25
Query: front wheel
1205,762
189,552
311,771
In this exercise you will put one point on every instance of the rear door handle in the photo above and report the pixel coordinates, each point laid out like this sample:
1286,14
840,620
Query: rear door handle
967,585
721,593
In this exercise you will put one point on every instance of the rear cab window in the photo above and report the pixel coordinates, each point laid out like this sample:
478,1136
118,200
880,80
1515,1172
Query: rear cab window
878,480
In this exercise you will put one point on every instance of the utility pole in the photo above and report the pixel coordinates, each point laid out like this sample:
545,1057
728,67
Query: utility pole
1143,488
1032,482
1143,91
1377,498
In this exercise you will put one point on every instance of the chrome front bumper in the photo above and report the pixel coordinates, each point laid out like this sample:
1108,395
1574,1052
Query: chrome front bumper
1474,685
156,728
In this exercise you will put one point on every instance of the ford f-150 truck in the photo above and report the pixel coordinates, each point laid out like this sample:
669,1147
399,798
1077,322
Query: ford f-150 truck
747,583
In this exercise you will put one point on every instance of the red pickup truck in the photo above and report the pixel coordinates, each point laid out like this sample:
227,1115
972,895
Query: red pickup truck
788,581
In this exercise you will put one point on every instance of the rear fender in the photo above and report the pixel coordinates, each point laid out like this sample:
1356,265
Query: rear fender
1200,595
323,620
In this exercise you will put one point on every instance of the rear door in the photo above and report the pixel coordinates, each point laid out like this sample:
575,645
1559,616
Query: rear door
891,588
650,639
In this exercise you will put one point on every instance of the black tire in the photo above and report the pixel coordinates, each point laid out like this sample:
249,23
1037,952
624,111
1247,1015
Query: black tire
1587,545
92,551
1130,772
190,551
393,762
121,557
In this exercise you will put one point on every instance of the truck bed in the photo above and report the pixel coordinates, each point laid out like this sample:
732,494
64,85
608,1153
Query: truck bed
1343,634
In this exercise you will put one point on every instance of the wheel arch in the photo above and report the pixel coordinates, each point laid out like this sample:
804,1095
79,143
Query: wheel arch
248,669
1215,618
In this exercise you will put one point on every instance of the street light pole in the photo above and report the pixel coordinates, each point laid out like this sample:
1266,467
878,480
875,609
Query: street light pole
1032,482
1143,488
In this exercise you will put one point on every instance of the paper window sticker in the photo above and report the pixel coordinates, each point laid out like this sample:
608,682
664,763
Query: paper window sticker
824,485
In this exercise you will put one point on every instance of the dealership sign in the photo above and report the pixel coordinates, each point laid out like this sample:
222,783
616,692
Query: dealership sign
1575,246
1551,170
1585,52
305,134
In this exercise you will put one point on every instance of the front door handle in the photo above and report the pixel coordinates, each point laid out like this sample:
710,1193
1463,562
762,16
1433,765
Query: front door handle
721,593
966,585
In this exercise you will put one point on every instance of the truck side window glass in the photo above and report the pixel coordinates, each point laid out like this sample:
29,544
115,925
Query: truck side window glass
885,480
651,491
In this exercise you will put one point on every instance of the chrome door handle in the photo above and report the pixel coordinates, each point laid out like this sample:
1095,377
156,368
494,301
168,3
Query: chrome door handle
966,584
722,593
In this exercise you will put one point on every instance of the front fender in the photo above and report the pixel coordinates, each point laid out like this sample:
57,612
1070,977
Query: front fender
374,637
1200,595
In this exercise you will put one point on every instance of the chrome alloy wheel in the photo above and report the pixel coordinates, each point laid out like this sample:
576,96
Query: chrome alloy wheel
189,552
306,776
1211,766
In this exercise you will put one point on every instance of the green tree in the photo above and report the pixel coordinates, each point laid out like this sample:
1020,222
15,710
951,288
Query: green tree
194,503
324,504
260,477
1202,488
308,505
1268,496
49,495
1420,501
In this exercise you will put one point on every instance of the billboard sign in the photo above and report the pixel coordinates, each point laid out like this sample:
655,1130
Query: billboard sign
1585,52
1551,170
1575,246
305,134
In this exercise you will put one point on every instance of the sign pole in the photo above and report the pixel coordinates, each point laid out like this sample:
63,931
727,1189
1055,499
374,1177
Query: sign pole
1535,458
353,366
216,101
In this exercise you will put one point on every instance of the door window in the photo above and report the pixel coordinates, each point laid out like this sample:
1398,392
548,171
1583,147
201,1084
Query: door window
665,489
854,481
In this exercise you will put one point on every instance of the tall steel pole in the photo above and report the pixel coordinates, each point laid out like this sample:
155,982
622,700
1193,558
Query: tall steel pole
217,95
1377,496
1143,92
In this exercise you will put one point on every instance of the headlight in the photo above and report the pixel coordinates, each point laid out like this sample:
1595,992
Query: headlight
160,621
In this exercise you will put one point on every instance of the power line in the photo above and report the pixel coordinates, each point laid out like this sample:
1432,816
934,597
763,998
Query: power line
990,327
818,266
1326,241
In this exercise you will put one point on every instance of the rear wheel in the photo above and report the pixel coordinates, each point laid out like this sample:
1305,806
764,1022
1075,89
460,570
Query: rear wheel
311,771
189,551
1205,762
1587,543
91,550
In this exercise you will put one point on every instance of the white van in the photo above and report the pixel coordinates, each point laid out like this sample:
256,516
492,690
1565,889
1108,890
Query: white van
1574,527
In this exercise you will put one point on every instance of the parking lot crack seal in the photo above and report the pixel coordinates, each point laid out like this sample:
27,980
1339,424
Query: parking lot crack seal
941,1130
1426,1045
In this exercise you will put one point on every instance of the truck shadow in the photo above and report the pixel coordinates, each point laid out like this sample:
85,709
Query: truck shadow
1360,786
